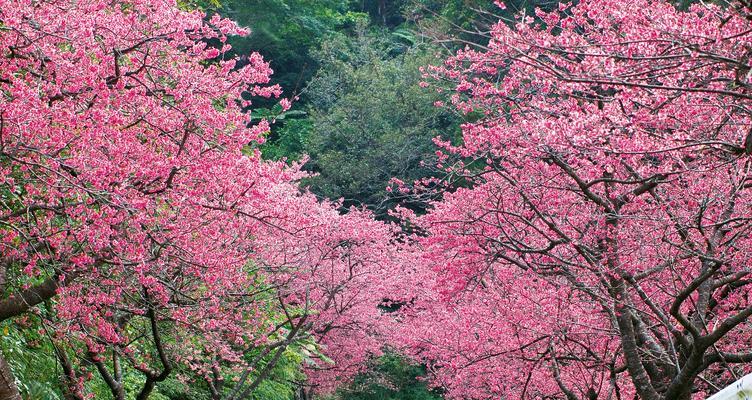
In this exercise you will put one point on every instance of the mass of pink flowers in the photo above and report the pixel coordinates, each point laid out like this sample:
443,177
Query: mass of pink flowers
133,196
602,249
599,247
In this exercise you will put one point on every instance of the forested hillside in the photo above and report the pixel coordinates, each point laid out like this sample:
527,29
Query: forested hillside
375,199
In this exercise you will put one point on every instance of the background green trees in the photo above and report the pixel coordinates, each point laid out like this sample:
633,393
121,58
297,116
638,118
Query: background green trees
391,377
371,121
354,69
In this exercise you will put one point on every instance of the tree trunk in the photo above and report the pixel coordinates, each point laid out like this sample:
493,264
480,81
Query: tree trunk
8,388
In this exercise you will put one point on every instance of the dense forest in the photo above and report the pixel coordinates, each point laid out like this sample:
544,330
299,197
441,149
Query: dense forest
375,199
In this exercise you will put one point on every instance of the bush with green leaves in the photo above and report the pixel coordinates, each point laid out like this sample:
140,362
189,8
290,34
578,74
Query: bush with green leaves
284,31
371,121
391,377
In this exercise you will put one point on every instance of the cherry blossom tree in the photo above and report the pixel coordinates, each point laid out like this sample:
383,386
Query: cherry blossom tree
337,270
137,219
602,249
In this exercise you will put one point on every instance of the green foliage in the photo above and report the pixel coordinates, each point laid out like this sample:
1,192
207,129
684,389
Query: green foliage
174,389
281,384
458,23
284,31
206,5
454,22
392,377
387,13
31,358
289,140
371,120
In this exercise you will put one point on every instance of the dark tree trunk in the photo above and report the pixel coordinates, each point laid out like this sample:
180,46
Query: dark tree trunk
8,388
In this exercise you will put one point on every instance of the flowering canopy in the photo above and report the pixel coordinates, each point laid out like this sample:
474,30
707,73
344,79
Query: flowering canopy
132,193
603,249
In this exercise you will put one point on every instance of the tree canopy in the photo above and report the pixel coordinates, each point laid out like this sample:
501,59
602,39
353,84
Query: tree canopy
417,199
